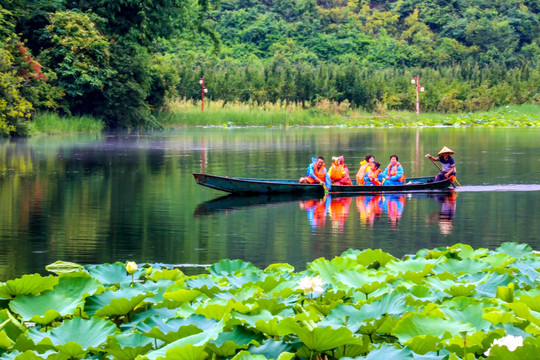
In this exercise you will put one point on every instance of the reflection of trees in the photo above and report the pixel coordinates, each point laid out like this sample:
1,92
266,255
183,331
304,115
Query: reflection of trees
97,200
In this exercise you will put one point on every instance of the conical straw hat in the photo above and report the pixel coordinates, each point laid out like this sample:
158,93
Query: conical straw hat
445,150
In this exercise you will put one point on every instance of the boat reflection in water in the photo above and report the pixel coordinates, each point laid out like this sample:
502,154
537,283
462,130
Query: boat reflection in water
336,209
445,215
373,207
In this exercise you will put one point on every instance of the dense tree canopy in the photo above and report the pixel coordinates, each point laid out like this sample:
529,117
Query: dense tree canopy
122,59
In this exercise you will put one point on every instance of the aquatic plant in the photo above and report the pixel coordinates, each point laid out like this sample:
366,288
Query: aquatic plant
446,303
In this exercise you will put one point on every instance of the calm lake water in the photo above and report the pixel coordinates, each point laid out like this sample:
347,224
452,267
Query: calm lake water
107,198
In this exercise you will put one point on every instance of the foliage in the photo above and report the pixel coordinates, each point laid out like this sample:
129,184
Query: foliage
239,311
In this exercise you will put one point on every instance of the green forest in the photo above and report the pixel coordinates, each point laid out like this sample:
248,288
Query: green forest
126,61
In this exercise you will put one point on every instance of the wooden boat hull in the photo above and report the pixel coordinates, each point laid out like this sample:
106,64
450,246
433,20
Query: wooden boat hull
249,186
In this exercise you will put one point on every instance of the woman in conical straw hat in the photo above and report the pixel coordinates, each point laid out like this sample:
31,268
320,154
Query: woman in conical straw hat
448,163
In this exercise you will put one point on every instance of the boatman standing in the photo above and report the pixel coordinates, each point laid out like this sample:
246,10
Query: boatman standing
448,163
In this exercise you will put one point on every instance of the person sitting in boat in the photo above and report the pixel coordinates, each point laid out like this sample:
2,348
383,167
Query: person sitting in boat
316,172
374,175
394,174
339,173
364,166
448,164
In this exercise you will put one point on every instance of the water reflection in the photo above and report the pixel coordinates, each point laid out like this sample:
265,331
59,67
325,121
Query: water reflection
445,215
335,210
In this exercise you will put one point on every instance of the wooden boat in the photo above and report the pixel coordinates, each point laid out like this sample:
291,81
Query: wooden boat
249,186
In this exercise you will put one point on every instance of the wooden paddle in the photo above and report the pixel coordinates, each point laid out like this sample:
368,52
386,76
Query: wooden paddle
441,170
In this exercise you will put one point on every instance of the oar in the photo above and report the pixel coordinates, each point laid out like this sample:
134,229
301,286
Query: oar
441,170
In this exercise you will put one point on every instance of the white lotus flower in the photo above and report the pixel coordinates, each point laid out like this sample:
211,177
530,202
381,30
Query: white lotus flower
510,341
310,285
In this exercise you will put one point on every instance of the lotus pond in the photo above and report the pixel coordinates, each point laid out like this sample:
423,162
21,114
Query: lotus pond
447,303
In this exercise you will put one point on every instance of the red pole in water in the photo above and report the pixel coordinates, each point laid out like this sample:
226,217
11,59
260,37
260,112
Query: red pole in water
203,90
419,89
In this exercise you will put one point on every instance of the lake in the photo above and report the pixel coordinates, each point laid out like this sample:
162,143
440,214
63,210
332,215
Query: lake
118,197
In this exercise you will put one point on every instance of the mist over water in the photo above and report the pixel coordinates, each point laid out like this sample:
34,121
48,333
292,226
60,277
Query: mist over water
118,197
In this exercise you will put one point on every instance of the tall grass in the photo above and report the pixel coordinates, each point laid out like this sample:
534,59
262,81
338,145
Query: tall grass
327,113
53,124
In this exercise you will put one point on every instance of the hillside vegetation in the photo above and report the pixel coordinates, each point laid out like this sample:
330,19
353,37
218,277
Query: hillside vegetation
124,61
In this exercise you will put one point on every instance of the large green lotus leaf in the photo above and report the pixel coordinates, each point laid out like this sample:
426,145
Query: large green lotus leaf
205,284
412,325
158,288
498,316
219,310
465,251
279,268
514,249
269,283
115,303
454,266
76,285
226,267
166,274
251,320
321,339
27,285
387,351
529,351
63,267
523,311
175,329
110,274
499,260
362,281
150,312
474,343
245,295
275,306
249,277
44,308
471,314
178,297
419,265
529,271
5,341
32,355
10,326
487,286
228,342
423,344
187,348
76,336
370,256
532,302
326,269
245,355
127,346
272,349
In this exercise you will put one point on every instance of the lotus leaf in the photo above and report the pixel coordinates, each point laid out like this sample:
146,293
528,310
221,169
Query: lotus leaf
10,326
166,274
473,343
529,271
205,284
419,265
76,336
412,325
5,341
387,351
231,267
273,349
249,277
190,347
487,286
115,303
179,297
279,268
326,269
158,288
175,329
423,344
228,342
506,293
321,339
532,303
245,355
362,281
499,260
62,267
472,314
110,274
129,346
269,283
369,256
44,308
76,285
31,355
466,266
27,285
523,311
514,249
275,306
